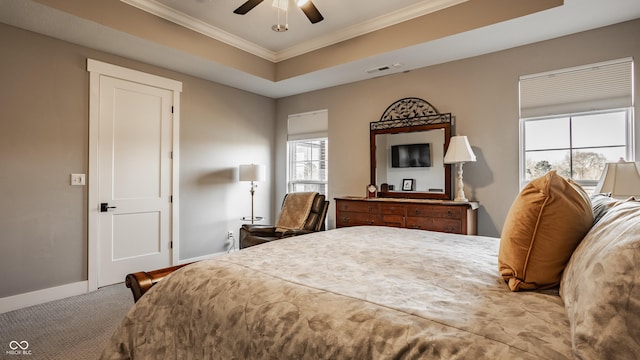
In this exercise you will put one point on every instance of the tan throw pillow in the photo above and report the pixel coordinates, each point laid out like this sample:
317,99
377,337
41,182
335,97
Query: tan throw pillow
545,224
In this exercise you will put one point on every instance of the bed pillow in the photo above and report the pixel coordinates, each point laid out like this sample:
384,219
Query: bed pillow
601,203
601,286
546,222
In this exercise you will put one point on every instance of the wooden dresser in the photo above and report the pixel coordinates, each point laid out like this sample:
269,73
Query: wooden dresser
434,215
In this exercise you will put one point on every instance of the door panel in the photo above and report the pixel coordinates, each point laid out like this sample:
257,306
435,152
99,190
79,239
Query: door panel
137,145
134,175
136,235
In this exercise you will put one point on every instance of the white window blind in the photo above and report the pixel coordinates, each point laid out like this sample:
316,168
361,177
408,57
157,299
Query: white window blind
605,85
310,125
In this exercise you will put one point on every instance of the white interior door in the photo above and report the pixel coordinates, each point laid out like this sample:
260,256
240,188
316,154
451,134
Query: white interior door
134,178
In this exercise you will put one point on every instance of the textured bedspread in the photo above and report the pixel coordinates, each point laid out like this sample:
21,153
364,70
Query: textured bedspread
350,293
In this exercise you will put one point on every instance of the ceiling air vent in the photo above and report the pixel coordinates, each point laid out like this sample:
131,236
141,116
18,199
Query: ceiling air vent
384,68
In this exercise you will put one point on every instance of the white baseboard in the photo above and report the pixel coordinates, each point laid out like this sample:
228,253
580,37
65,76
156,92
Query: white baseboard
37,297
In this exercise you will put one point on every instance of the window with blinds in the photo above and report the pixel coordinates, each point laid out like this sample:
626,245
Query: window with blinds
575,120
307,163
602,86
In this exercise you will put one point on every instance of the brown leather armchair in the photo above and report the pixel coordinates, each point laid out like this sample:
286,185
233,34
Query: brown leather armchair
252,234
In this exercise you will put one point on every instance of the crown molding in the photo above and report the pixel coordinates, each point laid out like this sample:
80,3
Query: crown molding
381,22
158,9
410,12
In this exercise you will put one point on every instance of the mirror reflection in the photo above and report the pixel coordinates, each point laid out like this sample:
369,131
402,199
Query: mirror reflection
412,155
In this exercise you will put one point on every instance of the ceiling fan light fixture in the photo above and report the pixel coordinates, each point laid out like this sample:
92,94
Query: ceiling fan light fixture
301,3
281,5
280,27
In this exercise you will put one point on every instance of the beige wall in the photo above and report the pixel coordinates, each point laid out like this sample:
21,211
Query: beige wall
44,138
482,94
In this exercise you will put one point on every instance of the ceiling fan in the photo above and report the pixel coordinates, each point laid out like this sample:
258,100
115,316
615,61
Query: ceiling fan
307,7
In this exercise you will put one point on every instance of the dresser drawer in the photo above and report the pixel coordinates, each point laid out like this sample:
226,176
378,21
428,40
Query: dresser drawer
414,214
434,224
393,220
393,209
357,218
358,206
446,212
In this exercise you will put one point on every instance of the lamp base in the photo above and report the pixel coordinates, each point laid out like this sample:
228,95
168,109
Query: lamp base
460,191
461,199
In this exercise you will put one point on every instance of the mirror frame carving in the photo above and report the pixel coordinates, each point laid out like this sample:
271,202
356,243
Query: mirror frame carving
411,115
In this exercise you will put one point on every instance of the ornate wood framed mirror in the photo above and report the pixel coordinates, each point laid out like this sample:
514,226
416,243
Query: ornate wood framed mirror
407,148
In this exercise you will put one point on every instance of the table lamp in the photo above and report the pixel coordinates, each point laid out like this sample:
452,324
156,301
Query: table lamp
621,179
459,152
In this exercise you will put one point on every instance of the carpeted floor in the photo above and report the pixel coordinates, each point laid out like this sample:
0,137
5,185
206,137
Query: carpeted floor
77,327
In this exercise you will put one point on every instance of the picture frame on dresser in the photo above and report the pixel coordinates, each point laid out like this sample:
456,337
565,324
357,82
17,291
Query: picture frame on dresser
407,184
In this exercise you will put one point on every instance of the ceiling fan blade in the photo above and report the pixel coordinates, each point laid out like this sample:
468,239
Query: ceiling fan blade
246,7
312,12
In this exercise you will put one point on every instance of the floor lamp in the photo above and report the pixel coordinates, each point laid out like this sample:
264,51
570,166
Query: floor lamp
459,152
253,173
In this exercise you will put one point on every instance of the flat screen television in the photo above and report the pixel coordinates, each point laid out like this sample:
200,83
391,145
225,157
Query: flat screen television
410,155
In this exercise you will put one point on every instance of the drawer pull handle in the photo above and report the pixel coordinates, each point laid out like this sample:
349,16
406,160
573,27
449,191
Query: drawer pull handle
417,212
449,214
370,208
346,219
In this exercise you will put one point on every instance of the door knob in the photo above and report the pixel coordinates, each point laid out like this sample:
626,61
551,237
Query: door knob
104,207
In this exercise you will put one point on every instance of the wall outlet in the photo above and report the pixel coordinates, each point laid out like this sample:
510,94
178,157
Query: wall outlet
78,179
231,242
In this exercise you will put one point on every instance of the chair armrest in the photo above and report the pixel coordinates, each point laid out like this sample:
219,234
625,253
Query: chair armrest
267,230
259,230
289,233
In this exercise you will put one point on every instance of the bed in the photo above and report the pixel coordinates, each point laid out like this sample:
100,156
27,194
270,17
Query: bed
388,293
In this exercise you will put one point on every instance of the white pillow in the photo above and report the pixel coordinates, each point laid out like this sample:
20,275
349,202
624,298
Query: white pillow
601,286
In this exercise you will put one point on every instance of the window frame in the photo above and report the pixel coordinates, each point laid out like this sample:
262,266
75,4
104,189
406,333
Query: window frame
629,138
291,183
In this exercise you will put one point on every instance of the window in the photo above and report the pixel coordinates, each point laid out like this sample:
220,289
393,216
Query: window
307,152
308,165
575,120
576,146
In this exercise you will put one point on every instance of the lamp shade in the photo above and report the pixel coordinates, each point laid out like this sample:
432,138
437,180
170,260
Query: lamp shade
459,151
251,172
621,179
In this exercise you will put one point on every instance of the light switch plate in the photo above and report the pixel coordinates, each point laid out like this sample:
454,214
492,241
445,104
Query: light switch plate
78,179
